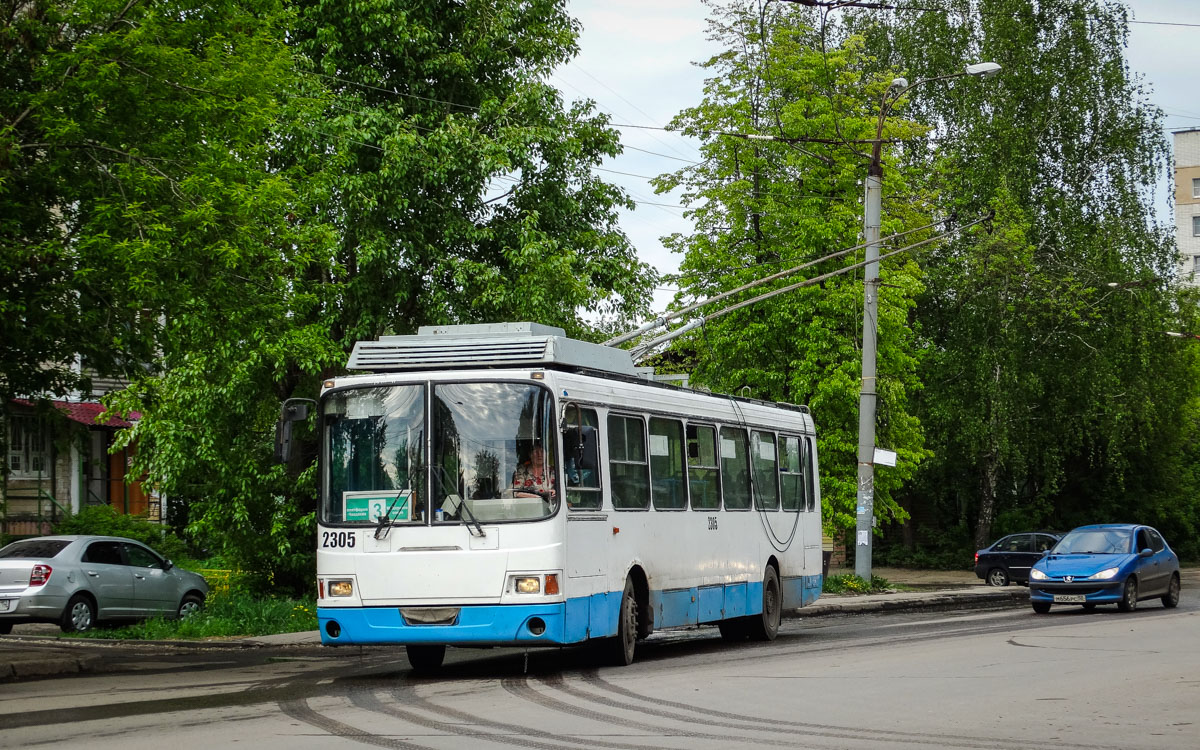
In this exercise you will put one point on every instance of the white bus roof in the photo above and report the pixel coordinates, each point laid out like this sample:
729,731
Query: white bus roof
489,345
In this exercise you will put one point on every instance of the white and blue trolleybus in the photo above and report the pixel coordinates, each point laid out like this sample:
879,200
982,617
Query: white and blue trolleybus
504,485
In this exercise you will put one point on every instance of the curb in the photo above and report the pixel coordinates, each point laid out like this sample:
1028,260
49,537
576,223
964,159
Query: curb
925,602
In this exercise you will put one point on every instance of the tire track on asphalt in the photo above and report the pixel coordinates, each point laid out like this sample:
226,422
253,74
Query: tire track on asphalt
628,700
523,690
510,734
299,710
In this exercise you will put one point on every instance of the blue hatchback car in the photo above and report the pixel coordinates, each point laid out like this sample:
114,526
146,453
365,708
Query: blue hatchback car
1118,564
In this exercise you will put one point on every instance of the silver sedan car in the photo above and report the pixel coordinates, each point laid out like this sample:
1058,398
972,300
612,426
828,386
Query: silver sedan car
78,581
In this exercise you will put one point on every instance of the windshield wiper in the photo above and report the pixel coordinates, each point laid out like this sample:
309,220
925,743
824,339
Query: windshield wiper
461,503
385,519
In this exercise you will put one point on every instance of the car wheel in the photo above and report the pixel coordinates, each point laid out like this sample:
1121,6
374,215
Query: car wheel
5,628
997,577
425,659
1170,600
622,647
79,615
1041,608
766,626
190,606
1129,597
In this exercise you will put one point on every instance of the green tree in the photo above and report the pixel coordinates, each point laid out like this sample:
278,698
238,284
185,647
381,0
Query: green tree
760,206
134,190
433,176
1052,396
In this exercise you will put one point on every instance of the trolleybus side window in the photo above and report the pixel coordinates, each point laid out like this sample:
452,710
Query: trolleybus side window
627,462
374,448
810,488
735,469
581,457
791,475
766,484
702,467
668,487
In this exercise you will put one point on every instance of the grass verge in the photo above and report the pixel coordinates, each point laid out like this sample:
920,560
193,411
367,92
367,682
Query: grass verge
225,615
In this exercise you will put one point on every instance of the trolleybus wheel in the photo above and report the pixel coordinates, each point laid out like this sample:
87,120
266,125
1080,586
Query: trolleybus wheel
622,647
766,626
733,630
425,659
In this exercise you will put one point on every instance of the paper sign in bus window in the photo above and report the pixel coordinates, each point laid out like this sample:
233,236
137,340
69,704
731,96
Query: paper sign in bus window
369,506
659,445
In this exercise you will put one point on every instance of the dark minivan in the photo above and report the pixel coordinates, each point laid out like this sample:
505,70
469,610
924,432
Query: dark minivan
1010,558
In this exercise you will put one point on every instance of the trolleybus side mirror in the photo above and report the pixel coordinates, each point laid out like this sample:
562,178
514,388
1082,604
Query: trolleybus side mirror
294,410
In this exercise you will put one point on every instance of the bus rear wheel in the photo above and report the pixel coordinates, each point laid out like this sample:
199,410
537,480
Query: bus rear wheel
622,647
733,630
765,626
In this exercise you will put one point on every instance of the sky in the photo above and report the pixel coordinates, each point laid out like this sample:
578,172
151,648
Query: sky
637,62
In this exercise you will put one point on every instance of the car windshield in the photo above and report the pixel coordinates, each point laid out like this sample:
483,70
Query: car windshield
1095,542
41,549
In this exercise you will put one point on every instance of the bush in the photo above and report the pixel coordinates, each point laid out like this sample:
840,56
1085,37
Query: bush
105,521
852,584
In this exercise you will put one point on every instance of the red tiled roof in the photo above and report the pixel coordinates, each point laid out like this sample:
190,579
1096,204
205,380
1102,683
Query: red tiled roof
86,413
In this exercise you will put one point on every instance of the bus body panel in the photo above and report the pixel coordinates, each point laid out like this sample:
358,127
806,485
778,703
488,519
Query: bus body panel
700,566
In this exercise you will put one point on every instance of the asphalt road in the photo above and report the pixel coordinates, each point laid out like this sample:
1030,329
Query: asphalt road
1001,678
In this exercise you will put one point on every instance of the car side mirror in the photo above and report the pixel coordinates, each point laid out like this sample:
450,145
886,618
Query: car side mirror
1045,552
167,565
1146,553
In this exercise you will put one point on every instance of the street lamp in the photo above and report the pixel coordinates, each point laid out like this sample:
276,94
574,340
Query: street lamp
872,210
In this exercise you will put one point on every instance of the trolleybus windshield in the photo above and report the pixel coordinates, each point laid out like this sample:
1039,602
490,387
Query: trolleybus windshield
494,457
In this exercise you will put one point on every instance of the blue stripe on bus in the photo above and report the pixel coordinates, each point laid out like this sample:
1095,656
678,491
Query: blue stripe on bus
573,621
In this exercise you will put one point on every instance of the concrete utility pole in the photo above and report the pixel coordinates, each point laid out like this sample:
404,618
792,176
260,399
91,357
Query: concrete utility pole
872,218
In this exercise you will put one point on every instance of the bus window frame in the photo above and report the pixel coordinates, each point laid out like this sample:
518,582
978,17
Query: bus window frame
683,462
612,485
745,432
755,495
600,457
802,499
716,434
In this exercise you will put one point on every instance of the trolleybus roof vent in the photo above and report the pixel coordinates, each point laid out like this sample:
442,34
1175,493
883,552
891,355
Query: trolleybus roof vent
487,345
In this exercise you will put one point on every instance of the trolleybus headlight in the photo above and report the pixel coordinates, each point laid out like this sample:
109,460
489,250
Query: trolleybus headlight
527,585
341,588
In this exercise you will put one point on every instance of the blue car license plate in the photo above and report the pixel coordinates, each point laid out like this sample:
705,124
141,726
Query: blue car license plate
1069,598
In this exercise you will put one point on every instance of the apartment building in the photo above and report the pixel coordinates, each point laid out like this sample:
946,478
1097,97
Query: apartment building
1187,204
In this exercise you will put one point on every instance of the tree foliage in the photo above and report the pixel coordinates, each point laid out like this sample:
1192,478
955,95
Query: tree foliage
762,206
240,190
1052,396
